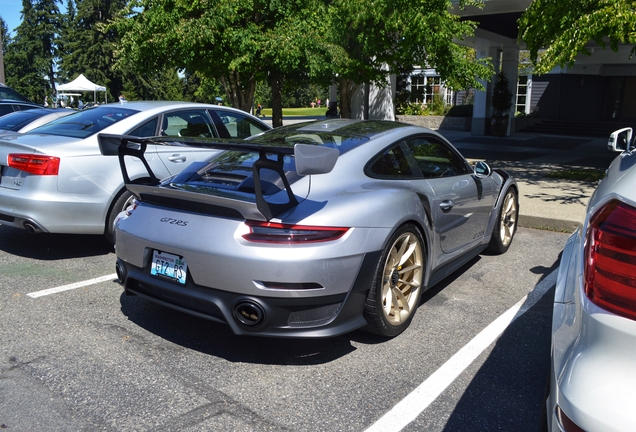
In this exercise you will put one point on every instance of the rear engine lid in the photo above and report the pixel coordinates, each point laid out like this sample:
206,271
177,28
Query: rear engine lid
243,180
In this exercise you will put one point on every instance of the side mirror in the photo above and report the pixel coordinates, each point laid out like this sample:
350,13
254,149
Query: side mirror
482,169
620,140
314,159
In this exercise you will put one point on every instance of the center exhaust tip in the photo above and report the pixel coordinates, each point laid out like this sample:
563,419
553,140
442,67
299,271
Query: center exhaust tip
249,313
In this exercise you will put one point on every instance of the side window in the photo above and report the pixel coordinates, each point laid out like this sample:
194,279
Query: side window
435,158
147,129
6,109
189,123
235,125
391,163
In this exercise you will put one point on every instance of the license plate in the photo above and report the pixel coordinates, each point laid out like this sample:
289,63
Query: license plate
170,266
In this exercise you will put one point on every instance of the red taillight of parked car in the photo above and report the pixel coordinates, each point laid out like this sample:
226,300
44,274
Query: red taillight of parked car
566,424
610,259
269,232
35,164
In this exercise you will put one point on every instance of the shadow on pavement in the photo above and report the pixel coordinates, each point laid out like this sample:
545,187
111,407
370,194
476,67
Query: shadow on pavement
45,246
508,391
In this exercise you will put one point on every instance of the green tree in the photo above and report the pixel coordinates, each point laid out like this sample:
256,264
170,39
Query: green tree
88,47
5,34
30,57
367,40
234,43
564,28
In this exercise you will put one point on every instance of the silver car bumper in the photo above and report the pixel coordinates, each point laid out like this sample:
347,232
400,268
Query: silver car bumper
313,290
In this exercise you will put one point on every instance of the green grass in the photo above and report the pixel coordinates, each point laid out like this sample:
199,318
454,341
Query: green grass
298,111
591,175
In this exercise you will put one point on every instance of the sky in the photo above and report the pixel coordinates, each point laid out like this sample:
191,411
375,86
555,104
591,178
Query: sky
10,13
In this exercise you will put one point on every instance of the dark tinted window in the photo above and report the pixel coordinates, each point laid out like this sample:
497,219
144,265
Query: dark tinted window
9,93
85,123
391,163
235,125
187,123
147,129
435,158
5,109
16,120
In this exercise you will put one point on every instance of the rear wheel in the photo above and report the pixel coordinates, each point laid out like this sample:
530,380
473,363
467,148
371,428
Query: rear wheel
395,293
122,202
506,224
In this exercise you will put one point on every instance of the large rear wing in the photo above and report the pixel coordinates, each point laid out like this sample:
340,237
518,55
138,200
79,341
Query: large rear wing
309,160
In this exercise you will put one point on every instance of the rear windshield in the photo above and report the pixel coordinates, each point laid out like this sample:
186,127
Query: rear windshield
16,120
85,123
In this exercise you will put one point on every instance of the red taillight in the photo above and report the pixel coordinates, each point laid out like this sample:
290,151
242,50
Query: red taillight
269,232
35,164
567,424
610,259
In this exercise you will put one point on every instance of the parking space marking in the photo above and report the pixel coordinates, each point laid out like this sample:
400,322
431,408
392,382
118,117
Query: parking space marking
72,286
425,394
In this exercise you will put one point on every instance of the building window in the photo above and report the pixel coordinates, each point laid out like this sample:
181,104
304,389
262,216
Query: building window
521,101
424,87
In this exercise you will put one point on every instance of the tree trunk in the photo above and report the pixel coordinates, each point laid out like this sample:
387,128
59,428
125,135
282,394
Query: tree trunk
347,89
239,93
276,84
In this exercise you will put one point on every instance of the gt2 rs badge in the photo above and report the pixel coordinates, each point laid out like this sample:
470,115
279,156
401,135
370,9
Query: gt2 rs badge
172,221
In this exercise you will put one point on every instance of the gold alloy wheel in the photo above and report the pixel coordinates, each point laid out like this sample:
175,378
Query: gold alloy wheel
402,279
509,214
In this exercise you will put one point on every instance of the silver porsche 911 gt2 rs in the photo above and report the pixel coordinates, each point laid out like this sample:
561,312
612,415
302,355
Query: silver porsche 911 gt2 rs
310,230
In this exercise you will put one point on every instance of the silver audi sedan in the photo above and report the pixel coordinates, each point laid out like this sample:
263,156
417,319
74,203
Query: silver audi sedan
593,373
54,178
313,229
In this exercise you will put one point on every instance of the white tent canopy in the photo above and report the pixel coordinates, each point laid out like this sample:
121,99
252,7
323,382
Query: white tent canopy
81,83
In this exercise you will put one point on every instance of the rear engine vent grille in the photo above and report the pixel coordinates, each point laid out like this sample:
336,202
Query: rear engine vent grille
314,317
192,206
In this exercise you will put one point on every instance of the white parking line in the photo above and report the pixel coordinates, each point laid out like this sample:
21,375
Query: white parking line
419,399
72,286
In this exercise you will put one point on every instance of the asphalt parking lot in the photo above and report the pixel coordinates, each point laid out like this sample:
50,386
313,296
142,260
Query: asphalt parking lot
85,357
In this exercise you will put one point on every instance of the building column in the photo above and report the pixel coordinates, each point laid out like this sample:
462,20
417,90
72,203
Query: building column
481,102
510,68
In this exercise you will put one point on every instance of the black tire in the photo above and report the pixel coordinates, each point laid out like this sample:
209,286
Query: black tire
120,204
397,284
506,223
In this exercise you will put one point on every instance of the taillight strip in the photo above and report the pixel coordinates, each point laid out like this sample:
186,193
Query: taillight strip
610,259
270,232
34,164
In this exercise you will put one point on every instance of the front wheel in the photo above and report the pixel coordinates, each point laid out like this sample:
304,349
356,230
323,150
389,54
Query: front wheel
395,292
506,224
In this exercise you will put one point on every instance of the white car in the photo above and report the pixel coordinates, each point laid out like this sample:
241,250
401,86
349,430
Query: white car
593,371
54,178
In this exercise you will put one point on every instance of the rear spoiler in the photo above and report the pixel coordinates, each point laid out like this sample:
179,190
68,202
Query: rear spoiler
309,159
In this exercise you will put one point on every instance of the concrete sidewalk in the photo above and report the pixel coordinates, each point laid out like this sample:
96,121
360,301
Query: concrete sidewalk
544,202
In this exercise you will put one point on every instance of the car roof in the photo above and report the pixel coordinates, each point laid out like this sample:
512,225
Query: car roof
19,102
17,96
149,105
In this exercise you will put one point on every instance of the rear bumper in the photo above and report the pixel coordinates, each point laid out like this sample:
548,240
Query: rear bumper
50,211
307,317
593,373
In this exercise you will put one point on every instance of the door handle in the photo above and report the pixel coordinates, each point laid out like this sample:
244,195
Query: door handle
177,158
446,205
